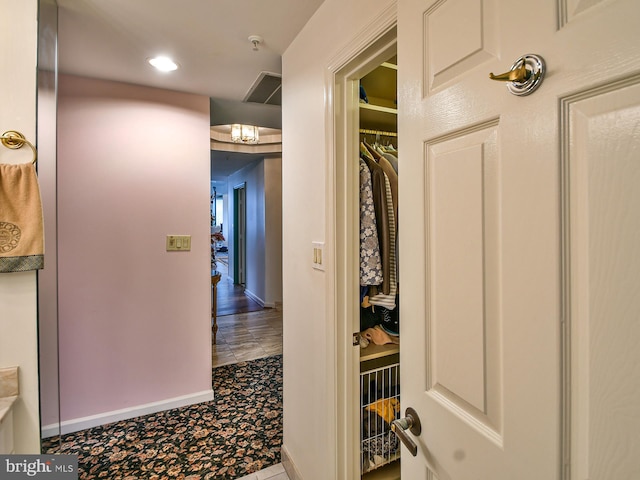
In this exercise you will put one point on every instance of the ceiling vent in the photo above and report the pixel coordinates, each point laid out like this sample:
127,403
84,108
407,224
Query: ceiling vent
266,89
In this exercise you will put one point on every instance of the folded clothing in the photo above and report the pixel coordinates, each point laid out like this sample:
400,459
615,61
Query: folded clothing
378,336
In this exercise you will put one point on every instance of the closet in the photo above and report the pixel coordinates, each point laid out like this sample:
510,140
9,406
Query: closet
379,337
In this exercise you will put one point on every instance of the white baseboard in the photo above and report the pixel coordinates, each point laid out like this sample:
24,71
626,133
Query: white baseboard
254,297
77,424
263,303
292,471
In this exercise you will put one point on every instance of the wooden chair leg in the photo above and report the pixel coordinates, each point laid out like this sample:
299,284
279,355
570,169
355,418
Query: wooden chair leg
214,305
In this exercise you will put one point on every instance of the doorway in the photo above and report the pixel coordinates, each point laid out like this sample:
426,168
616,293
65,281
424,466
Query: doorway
345,90
239,239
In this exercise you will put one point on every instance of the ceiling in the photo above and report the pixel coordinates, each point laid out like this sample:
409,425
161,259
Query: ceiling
209,39
111,39
228,158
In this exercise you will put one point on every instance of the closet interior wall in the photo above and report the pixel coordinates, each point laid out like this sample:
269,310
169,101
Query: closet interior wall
379,335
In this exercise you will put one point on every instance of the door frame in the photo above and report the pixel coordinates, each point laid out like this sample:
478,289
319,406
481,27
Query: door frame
240,233
368,49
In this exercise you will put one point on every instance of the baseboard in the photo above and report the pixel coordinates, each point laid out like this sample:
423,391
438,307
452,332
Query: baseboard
292,471
254,297
77,424
263,303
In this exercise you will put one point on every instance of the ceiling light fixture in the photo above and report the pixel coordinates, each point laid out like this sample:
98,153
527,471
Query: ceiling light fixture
164,64
244,134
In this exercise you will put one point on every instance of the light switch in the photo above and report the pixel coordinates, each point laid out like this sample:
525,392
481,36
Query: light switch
178,243
318,254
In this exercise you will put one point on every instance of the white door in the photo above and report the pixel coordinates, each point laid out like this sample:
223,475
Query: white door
520,240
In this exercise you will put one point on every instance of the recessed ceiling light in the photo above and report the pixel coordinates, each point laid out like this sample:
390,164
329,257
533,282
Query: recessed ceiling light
164,64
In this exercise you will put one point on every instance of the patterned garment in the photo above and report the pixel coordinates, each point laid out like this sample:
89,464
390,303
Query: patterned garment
370,262
382,300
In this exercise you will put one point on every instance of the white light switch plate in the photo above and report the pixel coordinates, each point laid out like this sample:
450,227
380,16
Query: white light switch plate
317,259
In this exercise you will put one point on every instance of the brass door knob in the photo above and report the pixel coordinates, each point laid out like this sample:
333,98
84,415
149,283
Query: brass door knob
525,76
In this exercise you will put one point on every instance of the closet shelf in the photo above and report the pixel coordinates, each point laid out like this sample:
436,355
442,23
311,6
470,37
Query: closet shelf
374,351
378,108
378,118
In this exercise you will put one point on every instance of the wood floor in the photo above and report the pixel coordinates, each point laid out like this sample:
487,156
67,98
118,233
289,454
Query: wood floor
231,298
247,336
246,330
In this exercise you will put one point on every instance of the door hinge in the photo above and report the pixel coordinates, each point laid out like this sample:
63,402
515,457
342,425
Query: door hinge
356,339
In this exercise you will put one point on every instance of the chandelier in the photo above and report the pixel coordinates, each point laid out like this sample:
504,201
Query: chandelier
244,134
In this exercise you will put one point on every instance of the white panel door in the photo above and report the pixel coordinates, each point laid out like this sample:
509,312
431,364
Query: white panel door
520,240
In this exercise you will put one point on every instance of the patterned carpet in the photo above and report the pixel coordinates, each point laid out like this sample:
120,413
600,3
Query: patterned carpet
238,433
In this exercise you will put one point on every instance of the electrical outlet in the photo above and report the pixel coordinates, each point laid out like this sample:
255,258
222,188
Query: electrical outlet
178,243
318,255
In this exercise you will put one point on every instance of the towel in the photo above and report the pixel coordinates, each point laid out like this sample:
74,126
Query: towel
21,223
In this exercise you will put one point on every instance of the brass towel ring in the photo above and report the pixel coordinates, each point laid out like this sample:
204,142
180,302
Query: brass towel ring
14,140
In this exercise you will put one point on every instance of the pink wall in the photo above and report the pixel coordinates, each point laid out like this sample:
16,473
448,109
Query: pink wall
133,167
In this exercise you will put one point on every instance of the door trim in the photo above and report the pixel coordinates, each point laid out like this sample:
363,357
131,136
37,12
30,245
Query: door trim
372,45
240,230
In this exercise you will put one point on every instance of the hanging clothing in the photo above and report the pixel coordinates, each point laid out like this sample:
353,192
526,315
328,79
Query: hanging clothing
391,172
387,168
391,169
370,262
388,298
381,209
392,159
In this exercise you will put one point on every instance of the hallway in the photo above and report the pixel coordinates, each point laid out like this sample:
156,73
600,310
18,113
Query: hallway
231,298
246,330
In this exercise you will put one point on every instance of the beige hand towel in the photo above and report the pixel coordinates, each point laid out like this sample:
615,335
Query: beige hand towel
21,223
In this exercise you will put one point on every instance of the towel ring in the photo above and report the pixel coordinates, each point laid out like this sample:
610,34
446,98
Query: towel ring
14,140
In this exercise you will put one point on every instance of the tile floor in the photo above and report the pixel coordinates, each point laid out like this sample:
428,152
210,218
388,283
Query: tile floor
274,472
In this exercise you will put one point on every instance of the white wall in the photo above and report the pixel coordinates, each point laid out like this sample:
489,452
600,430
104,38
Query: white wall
273,230
264,228
253,178
18,295
255,272
309,342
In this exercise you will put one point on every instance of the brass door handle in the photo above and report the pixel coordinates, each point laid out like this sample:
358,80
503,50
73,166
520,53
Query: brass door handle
410,422
518,74
525,75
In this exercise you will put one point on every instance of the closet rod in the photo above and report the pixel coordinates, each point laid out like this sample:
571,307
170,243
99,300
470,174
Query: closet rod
378,132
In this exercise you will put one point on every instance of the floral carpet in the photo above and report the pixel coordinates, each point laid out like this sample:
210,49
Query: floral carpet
238,433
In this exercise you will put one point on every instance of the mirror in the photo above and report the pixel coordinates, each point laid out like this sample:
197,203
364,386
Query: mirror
48,277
